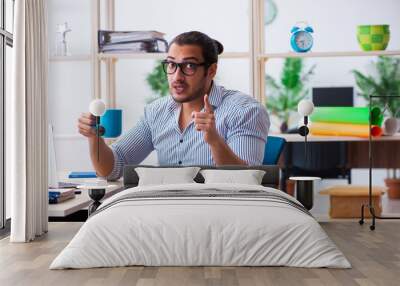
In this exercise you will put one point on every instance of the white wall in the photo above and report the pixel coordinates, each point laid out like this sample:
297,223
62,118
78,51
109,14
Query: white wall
70,82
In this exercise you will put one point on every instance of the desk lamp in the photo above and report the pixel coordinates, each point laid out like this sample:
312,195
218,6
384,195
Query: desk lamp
304,185
370,205
96,191
305,108
97,108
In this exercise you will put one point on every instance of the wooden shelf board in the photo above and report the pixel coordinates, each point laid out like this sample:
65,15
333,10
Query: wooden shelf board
102,56
69,58
267,56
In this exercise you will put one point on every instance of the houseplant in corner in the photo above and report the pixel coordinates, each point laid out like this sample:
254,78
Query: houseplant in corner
284,96
158,82
385,82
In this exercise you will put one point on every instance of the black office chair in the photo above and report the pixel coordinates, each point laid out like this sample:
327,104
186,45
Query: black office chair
327,160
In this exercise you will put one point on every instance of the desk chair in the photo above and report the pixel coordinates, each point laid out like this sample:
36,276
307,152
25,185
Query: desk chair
273,150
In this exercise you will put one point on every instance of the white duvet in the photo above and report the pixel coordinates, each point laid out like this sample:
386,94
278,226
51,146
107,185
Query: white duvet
200,231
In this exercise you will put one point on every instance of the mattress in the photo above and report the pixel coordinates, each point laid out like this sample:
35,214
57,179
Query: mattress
201,225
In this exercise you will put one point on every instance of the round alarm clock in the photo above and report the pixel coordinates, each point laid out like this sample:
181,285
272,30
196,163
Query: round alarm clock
301,39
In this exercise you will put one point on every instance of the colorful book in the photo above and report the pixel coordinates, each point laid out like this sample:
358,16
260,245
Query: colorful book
349,115
343,129
61,192
60,195
90,174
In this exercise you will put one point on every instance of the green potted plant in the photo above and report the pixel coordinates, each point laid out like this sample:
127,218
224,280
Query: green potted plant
283,97
385,81
158,82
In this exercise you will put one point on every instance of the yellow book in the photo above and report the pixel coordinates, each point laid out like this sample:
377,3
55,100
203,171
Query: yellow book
343,129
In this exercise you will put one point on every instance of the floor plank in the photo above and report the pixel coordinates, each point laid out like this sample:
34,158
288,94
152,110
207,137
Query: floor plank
375,257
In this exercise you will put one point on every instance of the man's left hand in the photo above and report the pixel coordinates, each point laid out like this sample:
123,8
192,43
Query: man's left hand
205,122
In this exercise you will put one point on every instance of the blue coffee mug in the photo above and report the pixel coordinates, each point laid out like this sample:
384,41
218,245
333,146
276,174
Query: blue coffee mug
112,122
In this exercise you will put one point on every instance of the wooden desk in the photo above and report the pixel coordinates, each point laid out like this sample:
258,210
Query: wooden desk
320,138
385,150
81,201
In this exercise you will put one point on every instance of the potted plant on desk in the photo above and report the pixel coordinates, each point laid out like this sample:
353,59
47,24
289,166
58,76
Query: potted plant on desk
283,97
386,82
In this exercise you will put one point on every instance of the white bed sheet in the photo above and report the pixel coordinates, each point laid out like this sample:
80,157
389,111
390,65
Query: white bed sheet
200,231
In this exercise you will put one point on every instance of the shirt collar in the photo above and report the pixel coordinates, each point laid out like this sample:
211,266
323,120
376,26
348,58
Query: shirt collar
215,98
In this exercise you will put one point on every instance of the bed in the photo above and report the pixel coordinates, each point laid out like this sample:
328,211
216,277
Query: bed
201,224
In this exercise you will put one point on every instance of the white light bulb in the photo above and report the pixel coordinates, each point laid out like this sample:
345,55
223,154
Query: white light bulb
97,107
305,107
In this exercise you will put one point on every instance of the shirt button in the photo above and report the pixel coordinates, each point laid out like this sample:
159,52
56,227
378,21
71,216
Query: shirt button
181,140
180,162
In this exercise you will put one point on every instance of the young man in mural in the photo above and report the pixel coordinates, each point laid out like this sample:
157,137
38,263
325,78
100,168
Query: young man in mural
200,123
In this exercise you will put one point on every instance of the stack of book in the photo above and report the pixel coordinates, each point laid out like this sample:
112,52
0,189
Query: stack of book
346,121
60,195
131,42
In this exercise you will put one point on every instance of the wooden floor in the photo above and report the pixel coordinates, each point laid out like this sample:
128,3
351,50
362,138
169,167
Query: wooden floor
375,257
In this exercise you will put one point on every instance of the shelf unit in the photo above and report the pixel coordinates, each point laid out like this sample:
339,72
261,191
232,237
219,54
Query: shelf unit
231,55
111,59
256,55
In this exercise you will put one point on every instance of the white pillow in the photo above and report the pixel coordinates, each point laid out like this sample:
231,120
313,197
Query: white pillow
249,177
165,176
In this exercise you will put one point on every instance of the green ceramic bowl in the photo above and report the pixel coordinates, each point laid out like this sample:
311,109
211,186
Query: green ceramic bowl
373,37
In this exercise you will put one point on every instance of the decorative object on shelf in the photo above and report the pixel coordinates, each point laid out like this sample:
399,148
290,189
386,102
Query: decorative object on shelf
131,42
270,11
390,126
370,205
158,82
301,39
283,97
61,48
97,108
373,37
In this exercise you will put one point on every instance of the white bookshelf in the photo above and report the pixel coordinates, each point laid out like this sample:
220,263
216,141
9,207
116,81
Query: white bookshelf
256,55
229,55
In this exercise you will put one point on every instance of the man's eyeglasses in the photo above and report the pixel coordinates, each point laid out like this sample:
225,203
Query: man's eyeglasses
187,68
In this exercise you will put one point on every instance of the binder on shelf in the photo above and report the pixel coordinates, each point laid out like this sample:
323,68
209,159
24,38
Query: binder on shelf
131,42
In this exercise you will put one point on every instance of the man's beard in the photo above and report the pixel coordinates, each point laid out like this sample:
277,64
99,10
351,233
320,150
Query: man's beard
193,96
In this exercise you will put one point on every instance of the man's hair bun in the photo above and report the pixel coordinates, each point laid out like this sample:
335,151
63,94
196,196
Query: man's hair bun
220,47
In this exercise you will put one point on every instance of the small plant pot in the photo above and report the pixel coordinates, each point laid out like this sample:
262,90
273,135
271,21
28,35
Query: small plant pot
373,37
393,186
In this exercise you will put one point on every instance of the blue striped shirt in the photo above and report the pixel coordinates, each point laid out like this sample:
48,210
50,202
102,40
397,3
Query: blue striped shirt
240,119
